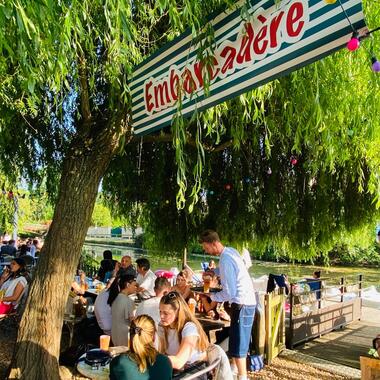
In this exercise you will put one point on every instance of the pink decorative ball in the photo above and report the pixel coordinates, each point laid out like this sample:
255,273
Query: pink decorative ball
353,44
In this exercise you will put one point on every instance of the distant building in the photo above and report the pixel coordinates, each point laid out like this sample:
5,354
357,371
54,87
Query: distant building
108,232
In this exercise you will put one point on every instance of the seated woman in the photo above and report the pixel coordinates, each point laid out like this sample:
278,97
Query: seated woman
181,335
122,307
182,287
142,362
211,265
213,309
13,283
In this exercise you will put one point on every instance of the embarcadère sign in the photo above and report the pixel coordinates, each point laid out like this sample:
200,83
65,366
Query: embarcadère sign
278,37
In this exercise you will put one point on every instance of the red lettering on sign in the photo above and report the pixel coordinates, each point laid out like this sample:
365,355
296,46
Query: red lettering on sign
148,104
294,15
174,84
229,53
273,29
199,71
189,84
263,34
260,44
244,54
161,94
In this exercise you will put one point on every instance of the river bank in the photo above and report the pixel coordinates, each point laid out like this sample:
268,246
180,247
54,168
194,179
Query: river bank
295,272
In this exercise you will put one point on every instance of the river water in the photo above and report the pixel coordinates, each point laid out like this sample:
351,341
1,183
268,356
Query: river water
295,272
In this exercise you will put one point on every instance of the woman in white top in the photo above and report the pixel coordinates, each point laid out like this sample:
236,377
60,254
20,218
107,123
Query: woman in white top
122,307
181,336
12,284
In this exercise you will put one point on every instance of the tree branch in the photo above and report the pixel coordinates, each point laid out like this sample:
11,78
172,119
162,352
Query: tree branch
84,93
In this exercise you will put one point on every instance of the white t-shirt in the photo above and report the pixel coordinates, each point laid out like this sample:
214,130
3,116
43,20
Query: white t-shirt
103,312
147,282
10,286
190,329
150,307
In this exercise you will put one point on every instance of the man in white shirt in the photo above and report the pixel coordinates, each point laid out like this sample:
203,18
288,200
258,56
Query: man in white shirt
237,288
151,306
102,311
145,279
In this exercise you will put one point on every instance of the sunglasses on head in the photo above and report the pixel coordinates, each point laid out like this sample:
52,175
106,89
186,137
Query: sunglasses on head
135,330
171,295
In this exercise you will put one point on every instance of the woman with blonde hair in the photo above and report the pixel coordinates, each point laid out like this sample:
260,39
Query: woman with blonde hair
142,361
181,336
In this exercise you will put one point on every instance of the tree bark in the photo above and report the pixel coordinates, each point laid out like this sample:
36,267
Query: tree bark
38,342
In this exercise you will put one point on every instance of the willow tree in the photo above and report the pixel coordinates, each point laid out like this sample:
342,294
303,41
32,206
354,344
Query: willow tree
65,109
293,164
65,112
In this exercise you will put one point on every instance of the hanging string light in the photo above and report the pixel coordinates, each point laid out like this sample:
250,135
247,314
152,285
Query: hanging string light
375,65
354,43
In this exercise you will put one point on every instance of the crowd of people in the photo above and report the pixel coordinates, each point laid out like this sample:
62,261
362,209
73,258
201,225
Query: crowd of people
152,317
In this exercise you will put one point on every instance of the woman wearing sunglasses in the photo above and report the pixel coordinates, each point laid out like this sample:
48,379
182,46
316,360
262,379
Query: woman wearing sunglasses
142,362
181,335
12,285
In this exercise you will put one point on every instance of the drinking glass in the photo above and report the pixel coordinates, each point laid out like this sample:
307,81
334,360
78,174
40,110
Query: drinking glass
104,342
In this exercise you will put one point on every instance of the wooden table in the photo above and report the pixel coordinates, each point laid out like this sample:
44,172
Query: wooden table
210,326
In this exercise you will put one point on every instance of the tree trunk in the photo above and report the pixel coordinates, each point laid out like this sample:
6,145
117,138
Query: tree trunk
38,342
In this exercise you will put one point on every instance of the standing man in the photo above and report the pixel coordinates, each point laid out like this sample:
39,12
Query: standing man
238,290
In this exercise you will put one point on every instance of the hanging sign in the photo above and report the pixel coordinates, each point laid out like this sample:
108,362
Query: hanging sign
274,39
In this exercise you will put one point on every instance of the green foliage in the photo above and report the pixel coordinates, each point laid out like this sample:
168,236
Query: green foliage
56,86
325,116
101,216
64,63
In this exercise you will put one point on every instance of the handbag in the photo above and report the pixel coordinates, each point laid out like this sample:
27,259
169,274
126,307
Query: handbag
97,358
255,363
71,355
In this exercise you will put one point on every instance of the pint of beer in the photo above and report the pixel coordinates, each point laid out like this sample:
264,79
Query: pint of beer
206,284
104,342
192,303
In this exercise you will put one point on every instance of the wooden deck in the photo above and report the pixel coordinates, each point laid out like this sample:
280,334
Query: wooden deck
344,346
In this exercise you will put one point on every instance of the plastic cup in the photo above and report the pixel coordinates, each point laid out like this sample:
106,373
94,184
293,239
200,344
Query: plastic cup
104,342
192,305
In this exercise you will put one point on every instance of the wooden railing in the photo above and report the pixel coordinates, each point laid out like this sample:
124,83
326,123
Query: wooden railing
315,312
274,324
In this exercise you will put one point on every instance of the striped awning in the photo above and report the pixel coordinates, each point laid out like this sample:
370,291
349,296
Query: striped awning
273,41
